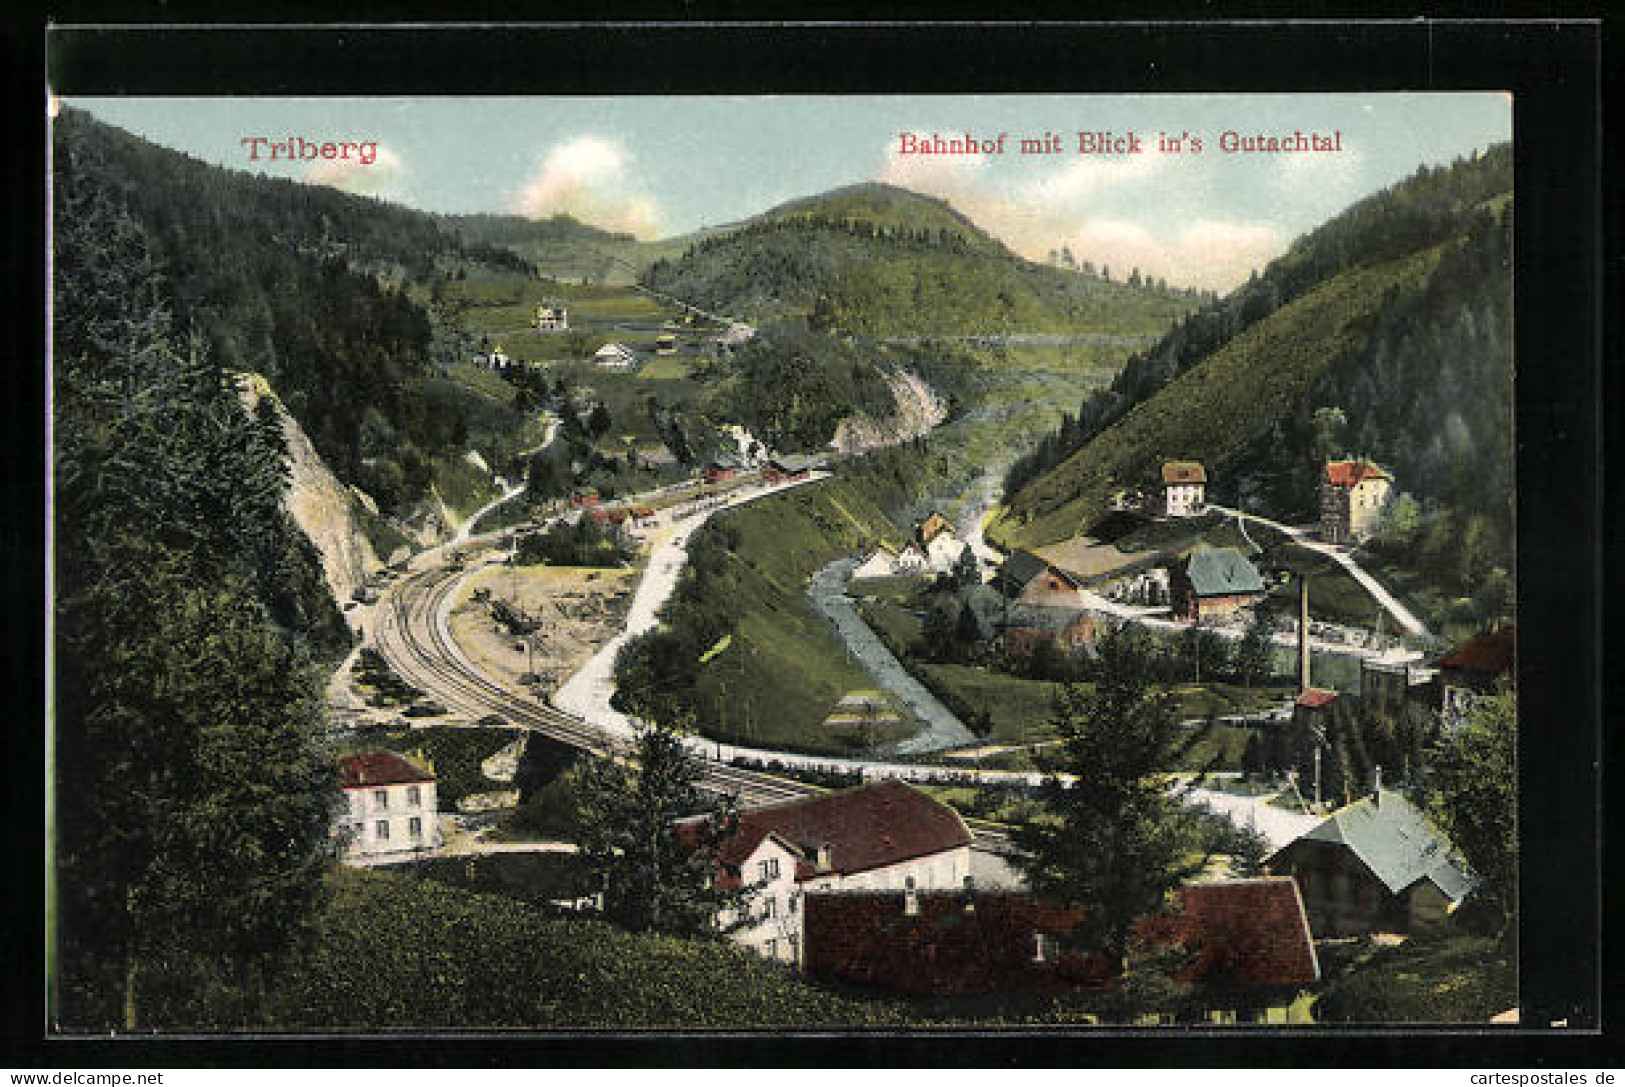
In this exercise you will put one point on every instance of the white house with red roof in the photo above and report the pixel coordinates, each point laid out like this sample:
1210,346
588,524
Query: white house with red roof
390,808
884,836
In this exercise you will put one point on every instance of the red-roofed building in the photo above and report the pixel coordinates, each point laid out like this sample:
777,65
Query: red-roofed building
1353,494
389,808
884,836
1312,713
1251,953
973,943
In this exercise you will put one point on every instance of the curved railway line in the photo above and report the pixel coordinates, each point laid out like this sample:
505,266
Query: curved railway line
412,638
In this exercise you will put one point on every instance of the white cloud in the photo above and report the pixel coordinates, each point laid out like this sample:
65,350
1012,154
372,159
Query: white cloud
382,175
1311,175
1090,177
1062,206
1208,253
588,178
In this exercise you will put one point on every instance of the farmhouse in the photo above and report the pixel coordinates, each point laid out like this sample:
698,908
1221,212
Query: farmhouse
1353,494
1376,865
885,836
1252,956
615,356
1183,485
389,806
1024,578
1213,582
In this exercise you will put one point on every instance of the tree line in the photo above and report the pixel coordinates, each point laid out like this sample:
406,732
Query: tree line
193,789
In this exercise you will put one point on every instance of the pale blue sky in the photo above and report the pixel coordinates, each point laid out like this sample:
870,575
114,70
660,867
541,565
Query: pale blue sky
661,166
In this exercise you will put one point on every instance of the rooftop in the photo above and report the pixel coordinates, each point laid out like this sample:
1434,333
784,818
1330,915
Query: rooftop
1316,697
1493,654
1397,843
1222,571
1346,473
1183,471
870,826
1252,933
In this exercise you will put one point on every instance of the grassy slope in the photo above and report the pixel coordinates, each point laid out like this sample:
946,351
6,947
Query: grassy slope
1214,408
1442,977
785,668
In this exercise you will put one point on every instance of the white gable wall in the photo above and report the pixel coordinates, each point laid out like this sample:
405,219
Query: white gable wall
377,820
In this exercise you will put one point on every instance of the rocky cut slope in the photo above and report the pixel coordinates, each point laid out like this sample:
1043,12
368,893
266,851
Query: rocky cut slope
325,510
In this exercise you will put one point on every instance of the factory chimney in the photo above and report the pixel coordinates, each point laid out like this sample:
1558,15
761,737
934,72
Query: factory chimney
1303,634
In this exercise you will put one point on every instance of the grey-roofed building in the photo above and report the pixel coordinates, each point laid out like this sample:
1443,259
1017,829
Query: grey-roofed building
1376,865
1214,581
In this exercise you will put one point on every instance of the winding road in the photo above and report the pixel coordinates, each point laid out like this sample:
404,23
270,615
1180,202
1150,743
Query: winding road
1402,615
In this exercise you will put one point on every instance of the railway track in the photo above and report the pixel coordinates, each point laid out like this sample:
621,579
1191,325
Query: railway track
418,646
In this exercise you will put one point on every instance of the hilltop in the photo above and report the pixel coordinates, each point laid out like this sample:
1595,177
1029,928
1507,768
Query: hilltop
1385,333
877,260
319,291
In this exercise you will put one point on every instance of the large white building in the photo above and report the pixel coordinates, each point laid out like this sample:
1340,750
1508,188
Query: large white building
885,836
390,807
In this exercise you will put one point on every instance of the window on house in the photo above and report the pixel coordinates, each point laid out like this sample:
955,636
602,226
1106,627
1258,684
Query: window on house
1043,947
414,796
382,830
1222,1015
380,799
771,947
795,946
770,909
768,869
415,827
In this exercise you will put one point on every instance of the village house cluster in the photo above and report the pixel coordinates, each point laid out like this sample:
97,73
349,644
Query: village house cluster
877,885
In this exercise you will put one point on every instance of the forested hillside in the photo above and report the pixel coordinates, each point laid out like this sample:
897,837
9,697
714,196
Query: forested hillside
875,260
192,792
305,285
1384,334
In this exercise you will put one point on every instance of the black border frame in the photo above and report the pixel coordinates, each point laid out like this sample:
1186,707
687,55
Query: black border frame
1554,69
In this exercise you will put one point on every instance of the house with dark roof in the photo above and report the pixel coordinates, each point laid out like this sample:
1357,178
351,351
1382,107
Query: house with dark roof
883,836
1376,865
1025,578
1473,669
1353,494
1250,955
389,809
1213,582
1184,484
